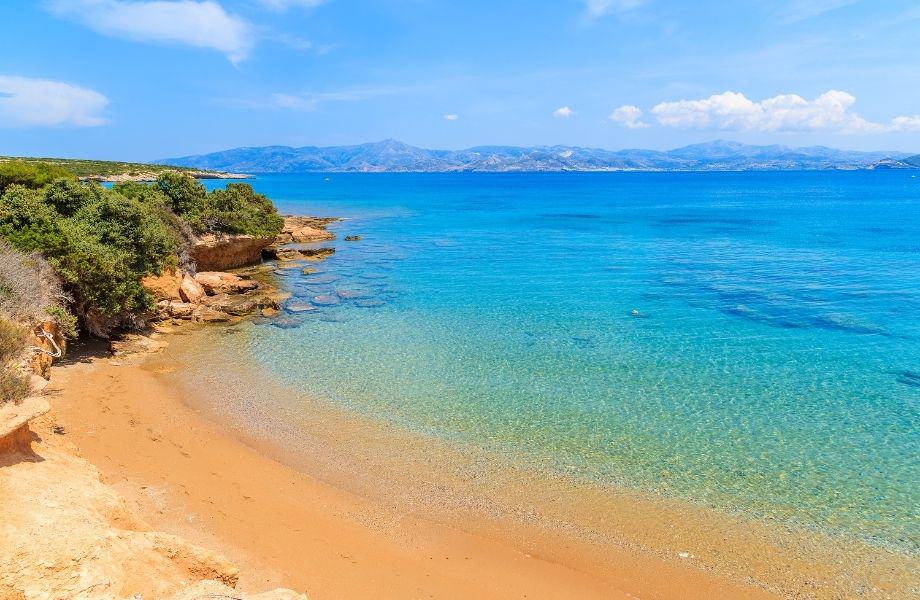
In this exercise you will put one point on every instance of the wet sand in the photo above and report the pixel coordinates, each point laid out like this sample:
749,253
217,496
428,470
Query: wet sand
338,506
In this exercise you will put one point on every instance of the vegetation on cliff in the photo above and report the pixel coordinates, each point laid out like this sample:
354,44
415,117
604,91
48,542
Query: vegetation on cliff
30,293
102,241
93,168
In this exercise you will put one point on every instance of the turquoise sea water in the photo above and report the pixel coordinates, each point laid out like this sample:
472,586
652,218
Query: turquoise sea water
746,340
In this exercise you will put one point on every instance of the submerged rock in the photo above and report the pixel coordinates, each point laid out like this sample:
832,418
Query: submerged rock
325,300
297,307
352,294
369,303
353,238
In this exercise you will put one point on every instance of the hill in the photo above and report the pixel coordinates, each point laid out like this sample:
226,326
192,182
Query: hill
106,170
395,156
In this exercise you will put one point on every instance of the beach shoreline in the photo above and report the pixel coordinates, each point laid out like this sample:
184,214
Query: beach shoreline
364,509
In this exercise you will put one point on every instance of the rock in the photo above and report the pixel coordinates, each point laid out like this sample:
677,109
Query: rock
296,307
181,310
287,254
353,238
352,294
217,282
165,286
233,305
221,252
325,300
287,321
269,302
134,343
369,303
317,253
206,314
269,311
190,290
304,229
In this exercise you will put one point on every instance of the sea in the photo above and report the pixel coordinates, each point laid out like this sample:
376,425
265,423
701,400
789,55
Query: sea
746,340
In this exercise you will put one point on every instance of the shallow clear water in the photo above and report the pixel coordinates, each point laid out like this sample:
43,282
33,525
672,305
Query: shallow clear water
747,340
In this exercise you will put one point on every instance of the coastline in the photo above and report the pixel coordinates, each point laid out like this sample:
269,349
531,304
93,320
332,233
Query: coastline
341,506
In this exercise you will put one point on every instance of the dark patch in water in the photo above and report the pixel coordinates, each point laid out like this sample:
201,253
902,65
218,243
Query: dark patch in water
570,216
844,322
728,222
908,378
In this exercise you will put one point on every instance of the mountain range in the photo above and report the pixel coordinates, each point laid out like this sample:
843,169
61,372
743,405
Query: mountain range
395,156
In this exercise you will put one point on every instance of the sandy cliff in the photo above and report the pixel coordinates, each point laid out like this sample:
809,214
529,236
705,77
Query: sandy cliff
64,534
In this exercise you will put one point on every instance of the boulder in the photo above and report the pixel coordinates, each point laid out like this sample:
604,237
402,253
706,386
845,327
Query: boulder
233,305
190,290
217,282
221,252
164,286
317,253
206,314
181,310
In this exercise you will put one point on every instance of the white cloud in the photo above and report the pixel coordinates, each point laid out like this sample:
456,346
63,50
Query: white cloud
286,4
599,8
629,116
563,112
202,24
829,112
26,102
451,117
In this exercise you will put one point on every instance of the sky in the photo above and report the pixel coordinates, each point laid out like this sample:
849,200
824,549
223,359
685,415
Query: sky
141,80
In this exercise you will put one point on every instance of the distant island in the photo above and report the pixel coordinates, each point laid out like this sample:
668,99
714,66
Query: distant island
395,156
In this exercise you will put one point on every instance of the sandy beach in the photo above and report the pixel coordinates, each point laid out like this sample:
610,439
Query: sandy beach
354,519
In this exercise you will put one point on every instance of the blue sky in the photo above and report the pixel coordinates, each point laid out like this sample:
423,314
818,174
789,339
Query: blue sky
139,80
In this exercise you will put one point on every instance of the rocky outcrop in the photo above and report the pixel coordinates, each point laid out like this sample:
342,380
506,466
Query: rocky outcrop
64,534
208,296
221,252
300,230
215,282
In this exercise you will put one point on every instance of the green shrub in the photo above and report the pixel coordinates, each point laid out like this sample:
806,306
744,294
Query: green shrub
184,192
29,174
235,210
100,242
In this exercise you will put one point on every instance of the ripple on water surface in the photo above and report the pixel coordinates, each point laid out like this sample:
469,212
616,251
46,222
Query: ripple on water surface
768,366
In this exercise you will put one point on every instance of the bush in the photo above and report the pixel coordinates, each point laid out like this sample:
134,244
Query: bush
235,210
29,174
184,192
100,242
